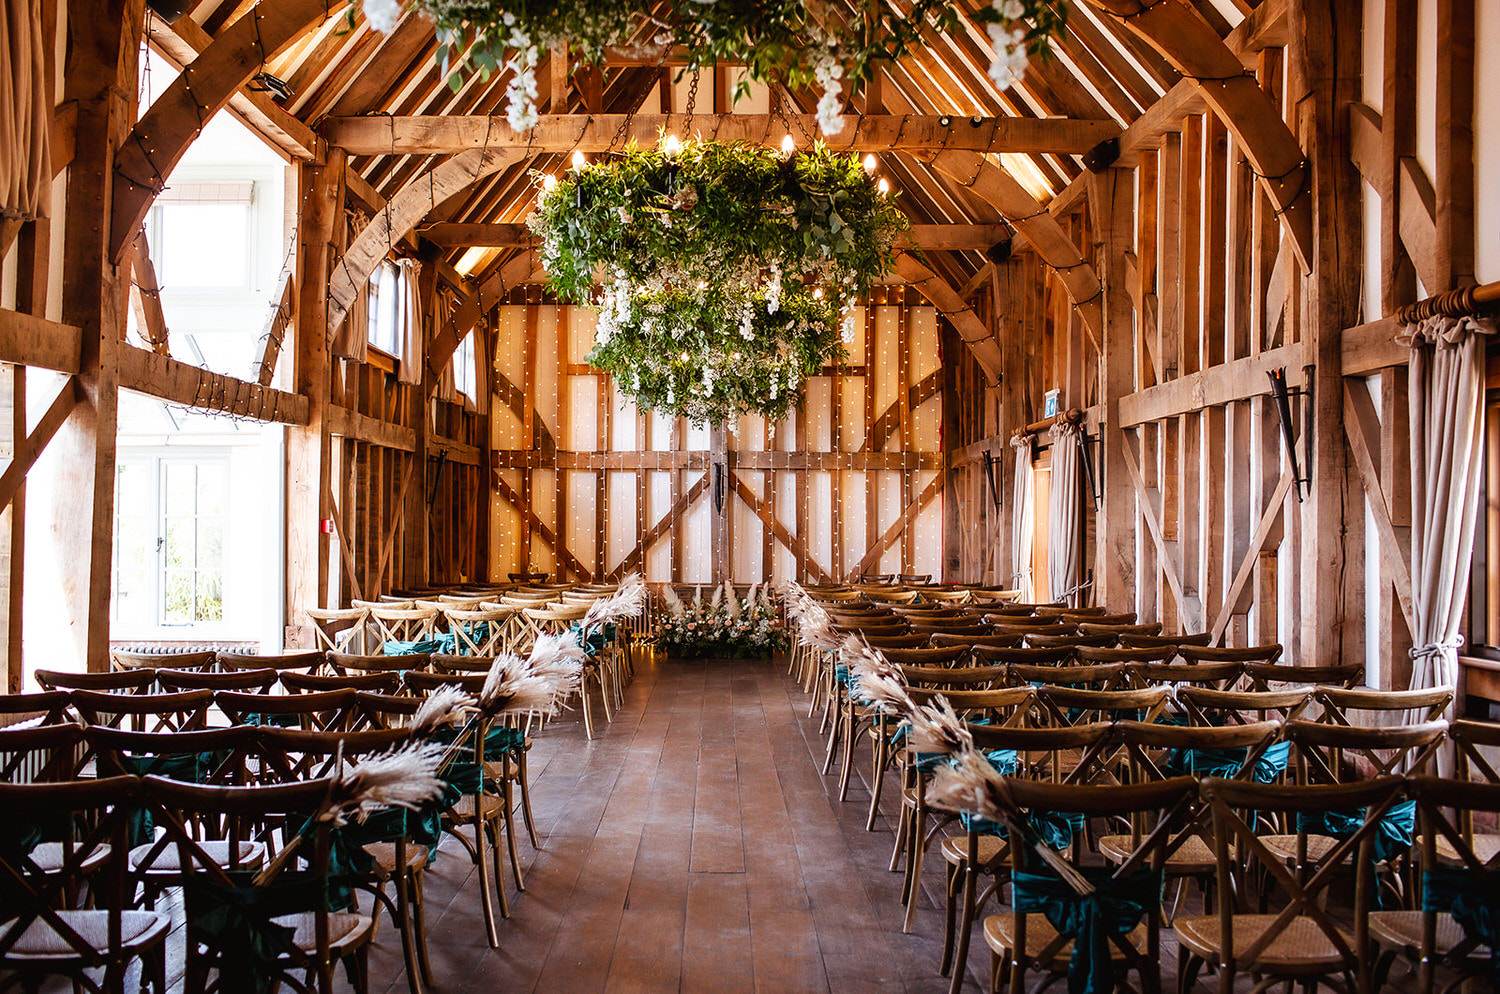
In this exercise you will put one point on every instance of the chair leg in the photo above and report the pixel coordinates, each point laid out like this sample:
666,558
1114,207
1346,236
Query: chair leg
524,781
914,859
850,721
878,750
965,925
485,898
510,834
588,711
903,826
833,741
949,912
493,829
420,926
405,916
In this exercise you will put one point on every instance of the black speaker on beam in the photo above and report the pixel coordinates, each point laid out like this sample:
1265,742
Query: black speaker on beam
169,10
1000,251
1102,155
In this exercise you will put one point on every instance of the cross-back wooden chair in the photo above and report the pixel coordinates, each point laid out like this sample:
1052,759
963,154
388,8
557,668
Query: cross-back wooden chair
923,610
177,712
47,707
994,641
282,925
947,626
396,845
1338,754
1219,676
1026,656
984,850
347,664
993,595
1265,654
481,631
600,667
1475,744
401,629
41,933
1116,914
1454,925
122,659
1111,654
204,756
442,663
1254,752
946,595
1095,677
1059,610
919,825
119,682
1092,616
1301,941
338,629
321,710
46,754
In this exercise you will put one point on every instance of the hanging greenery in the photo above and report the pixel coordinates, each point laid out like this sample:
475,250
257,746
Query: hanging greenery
799,42
720,271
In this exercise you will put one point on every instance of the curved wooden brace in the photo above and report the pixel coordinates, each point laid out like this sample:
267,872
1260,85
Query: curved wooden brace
404,212
163,134
979,339
890,419
1176,30
1000,190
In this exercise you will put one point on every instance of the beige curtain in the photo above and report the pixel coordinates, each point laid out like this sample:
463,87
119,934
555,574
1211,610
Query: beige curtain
1064,513
1022,511
409,320
1447,472
353,339
25,113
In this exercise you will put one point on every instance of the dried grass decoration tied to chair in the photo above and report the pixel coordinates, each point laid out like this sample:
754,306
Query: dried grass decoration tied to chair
723,273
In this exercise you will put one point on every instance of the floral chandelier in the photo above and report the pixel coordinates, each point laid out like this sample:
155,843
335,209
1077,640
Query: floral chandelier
723,273
798,42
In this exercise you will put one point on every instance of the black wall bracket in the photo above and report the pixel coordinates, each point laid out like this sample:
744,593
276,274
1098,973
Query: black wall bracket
1283,395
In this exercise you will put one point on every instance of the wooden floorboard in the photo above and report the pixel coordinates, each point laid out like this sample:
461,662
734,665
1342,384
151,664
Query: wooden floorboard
692,846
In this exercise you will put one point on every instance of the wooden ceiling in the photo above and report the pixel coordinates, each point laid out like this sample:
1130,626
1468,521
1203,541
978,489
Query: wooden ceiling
1103,77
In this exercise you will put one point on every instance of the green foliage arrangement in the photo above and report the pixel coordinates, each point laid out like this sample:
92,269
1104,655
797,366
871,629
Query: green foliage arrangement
801,42
720,271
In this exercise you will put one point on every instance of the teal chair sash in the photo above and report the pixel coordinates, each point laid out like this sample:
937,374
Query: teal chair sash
189,767
1473,899
1115,907
441,644
236,922
1393,834
599,637
1227,763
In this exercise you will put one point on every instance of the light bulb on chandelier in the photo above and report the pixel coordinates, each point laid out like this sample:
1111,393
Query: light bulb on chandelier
883,186
788,146
671,146
578,160
870,162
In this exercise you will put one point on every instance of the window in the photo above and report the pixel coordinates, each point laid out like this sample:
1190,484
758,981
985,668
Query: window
463,368
169,540
201,236
385,295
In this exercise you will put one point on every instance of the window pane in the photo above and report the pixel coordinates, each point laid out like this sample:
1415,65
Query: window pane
203,245
179,546
210,543
210,596
210,491
178,609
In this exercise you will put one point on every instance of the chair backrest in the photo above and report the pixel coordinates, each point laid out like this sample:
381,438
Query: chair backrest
177,712
481,631
443,663
1135,640
936,656
308,660
1207,706
1059,610
1093,616
1074,705
1029,656
891,596
401,625
1072,641
953,676
948,626
122,681
1321,749
124,660
1158,751
1106,654
291,755
342,663
881,641
41,753
213,755
1042,624
969,642
1038,750
336,629
1091,627
303,683
527,577
423,684
1474,746
1263,675
1423,705
1219,676
1457,883
322,710
1000,705
49,707
252,680
1221,654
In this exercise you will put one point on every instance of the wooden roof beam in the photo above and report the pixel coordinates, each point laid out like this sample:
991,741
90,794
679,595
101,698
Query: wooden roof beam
428,135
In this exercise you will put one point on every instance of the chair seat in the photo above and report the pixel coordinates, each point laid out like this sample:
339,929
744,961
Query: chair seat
1484,846
1000,935
1284,847
1193,856
169,859
991,848
346,930
489,807
48,857
1403,929
384,854
40,941
1302,948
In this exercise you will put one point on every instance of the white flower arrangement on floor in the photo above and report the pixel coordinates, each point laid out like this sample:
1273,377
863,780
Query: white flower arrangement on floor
722,626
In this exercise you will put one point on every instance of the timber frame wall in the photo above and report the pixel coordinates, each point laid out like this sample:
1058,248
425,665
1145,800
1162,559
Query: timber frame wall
1231,237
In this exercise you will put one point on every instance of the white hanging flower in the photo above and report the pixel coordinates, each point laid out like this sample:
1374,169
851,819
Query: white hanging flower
847,333
382,15
1011,10
828,72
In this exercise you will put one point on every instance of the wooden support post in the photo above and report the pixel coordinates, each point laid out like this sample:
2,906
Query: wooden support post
309,447
1115,578
1324,79
101,82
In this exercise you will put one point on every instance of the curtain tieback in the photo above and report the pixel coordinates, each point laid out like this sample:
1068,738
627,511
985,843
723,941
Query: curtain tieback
1437,650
